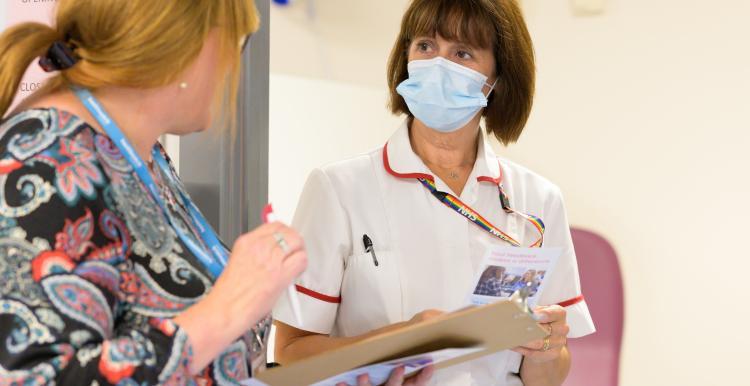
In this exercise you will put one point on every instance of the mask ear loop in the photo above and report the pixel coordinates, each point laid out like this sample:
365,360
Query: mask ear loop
492,87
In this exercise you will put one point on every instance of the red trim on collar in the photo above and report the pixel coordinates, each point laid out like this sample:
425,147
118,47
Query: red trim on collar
387,165
571,302
318,295
495,181
394,173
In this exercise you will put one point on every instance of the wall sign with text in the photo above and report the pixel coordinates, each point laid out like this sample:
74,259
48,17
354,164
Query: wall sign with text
19,11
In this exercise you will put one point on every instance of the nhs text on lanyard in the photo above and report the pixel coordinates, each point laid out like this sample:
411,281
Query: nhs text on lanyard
473,216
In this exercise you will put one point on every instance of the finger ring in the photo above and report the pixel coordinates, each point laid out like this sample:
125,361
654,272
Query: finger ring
281,241
545,346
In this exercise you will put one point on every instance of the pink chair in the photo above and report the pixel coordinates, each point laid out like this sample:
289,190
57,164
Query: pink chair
596,358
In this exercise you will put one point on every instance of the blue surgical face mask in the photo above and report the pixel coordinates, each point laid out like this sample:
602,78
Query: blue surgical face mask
442,94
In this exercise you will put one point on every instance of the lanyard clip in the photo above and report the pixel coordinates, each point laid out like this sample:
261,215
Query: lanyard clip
504,201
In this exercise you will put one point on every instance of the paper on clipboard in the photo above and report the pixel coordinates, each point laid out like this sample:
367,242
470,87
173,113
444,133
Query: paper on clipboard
380,372
494,327
252,382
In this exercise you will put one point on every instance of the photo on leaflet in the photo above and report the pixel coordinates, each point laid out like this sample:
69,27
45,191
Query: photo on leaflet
501,282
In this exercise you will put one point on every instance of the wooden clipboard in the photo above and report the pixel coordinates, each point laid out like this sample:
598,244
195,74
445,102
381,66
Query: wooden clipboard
496,327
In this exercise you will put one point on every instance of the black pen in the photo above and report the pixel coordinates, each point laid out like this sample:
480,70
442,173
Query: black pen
369,249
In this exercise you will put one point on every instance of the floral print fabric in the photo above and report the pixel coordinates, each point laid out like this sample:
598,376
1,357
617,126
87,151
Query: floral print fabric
91,271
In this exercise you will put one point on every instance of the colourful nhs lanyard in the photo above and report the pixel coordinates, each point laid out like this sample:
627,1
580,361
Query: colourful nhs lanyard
466,211
215,258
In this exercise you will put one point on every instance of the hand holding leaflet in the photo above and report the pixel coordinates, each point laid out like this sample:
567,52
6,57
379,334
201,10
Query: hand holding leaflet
269,217
472,327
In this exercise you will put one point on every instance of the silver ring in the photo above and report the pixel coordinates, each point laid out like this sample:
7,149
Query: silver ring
281,241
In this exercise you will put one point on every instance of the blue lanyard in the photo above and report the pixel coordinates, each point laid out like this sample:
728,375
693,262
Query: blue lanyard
215,258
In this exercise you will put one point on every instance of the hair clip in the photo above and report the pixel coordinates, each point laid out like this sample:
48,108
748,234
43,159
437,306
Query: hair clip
60,56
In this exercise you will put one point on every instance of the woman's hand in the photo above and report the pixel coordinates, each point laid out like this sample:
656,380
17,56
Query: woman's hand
397,378
257,272
552,318
424,316
293,344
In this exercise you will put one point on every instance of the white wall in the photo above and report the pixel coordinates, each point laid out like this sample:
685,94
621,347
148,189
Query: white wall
314,122
340,40
17,11
639,118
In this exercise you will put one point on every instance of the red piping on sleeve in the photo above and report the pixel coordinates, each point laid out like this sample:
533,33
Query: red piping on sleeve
318,295
572,301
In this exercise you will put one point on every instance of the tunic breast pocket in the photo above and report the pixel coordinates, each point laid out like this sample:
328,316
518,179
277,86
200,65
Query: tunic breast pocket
370,294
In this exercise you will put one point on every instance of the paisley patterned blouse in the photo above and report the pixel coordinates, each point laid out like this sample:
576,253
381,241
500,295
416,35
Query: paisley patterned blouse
91,272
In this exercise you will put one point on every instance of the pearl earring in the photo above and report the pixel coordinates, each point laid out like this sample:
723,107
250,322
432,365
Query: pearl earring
183,85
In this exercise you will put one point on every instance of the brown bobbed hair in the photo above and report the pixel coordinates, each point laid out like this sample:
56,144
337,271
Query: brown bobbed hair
494,24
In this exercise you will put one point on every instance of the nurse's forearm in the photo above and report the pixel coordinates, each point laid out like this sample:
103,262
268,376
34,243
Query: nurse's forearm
551,373
293,344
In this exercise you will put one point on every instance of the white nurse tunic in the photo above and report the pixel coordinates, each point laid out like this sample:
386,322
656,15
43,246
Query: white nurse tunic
427,253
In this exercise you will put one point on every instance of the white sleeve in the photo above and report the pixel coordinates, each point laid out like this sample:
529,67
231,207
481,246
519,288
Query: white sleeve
323,224
564,285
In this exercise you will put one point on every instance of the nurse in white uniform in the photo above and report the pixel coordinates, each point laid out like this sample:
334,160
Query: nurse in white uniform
454,62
